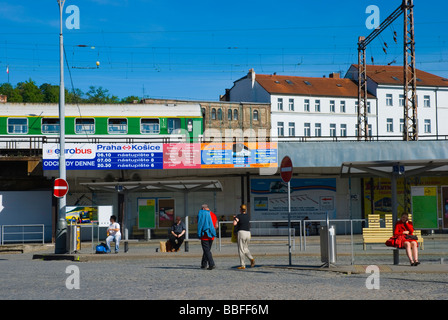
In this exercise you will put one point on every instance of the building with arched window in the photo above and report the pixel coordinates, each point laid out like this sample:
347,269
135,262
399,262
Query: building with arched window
231,120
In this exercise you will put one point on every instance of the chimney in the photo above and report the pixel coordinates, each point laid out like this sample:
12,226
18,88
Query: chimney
334,75
251,74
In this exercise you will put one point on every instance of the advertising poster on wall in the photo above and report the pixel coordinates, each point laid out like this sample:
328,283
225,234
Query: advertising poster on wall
311,198
424,207
166,212
380,191
445,207
89,214
146,213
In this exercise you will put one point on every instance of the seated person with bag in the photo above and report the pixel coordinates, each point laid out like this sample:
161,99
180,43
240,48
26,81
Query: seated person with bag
177,234
404,231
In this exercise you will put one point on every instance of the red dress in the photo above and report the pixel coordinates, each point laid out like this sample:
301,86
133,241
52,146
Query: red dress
400,227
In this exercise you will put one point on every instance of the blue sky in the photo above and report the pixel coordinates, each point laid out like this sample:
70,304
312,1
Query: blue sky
196,49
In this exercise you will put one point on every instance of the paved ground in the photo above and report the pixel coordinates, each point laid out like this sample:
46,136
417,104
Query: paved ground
145,274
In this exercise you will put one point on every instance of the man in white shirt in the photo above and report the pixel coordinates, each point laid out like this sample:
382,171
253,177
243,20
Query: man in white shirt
113,234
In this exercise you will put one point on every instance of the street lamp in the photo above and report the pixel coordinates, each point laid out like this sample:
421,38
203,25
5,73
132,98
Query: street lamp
61,229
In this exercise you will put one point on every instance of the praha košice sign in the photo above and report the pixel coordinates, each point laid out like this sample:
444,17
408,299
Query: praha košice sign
161,155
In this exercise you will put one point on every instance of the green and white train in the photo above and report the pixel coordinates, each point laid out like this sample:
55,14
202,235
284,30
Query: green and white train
23,122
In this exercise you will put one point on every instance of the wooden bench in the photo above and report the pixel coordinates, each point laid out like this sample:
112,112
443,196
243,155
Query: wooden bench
377,234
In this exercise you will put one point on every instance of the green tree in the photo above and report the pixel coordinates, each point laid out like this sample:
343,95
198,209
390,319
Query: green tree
74,96
100,95
50,92
130,99
30,92
13,94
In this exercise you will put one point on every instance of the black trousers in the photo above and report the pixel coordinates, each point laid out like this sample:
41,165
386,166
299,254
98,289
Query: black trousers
207,257
177,245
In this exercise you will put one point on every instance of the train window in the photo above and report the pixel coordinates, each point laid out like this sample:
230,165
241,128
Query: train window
85,125
50,125
117,125
149,126
18,125
173,125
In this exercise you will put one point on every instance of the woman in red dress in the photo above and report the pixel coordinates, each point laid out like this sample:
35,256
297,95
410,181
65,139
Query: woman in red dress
405,227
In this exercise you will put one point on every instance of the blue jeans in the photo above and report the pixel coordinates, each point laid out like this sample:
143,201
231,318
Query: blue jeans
116,238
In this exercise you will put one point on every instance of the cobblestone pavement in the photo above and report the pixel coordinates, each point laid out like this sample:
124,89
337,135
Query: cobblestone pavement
178,276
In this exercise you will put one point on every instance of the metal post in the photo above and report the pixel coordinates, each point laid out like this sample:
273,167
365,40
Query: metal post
61,230
393,181
289,221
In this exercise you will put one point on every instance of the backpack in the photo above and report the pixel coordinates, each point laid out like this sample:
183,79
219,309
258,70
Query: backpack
101,248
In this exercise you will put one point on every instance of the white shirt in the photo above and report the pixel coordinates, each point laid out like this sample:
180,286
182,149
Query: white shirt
114,225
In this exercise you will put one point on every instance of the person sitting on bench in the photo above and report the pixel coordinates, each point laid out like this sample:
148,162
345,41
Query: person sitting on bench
113,234
177,234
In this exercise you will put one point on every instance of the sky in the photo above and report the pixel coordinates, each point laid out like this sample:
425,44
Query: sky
196,49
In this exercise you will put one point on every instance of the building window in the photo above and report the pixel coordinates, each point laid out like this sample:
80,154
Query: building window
390,125
401,100
280,129
291,105
389,100
173,125
402,125
149,126
342,107
369,127
306,105
368,107
307,130
235,114
317,130
117,126
18,126
427,125
213,114
255,116
332,129
292,129
50,125
426,101
85,126
219,114
343,130
280,104
332,106
229,115
317,105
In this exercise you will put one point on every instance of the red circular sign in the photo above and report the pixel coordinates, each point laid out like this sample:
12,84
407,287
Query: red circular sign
60,188
286,169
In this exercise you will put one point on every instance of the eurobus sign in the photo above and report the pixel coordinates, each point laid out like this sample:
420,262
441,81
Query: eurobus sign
121,156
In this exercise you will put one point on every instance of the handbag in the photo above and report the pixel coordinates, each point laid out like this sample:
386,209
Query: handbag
411,237
391,242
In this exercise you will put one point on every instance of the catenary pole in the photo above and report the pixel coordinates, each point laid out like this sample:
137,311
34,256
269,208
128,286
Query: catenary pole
61,229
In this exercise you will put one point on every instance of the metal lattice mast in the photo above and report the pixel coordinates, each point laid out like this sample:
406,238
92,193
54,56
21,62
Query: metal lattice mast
363,131
362,67
410,131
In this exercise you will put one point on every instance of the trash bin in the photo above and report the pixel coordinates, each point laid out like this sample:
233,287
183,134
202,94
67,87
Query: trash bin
328,244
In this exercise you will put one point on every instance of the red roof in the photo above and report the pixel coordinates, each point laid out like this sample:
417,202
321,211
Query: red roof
308,86
393,75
